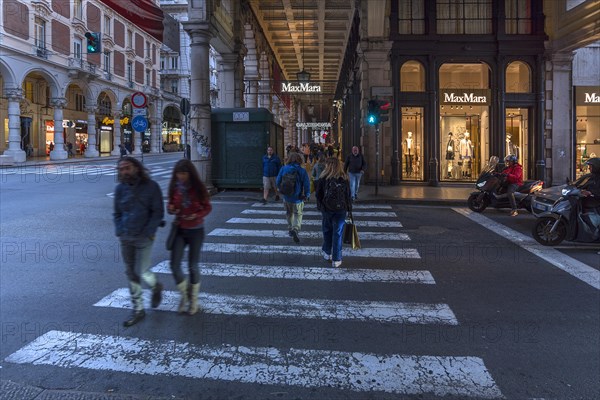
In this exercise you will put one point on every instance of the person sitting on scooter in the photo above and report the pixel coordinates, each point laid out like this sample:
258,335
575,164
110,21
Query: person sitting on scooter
514,178
591,189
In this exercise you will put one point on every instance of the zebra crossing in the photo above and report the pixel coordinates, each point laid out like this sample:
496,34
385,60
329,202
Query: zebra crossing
457,375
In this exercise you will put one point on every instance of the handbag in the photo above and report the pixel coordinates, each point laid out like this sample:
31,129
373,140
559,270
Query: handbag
172,235
350,236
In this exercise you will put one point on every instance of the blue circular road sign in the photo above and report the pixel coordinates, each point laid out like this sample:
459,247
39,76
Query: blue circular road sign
139,123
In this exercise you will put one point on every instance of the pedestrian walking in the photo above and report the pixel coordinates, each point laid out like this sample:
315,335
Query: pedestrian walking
317,169
138,212
70,150
271,167
189,201
355,166
29,150
334,201
122,150
294,184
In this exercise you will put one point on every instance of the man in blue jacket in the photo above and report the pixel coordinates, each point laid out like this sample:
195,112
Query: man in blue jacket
138,212
294,202
271,167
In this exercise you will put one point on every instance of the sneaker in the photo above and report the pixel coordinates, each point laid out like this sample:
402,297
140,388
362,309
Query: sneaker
276,197
263,201
336,264
295,237
514,213
290,233
326,257
157,294
134,318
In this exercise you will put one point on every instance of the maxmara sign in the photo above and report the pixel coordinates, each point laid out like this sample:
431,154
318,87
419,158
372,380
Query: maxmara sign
587,95
297,87
465,96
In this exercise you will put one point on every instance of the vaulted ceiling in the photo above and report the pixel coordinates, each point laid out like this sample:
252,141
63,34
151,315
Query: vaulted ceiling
309,35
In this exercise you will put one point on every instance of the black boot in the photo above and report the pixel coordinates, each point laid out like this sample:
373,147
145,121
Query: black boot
134,318
157,294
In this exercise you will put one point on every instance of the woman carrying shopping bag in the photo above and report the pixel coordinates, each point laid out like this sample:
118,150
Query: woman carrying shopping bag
189,201
333,200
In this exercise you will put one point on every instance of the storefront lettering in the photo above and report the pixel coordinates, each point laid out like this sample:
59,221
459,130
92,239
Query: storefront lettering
465,98
303,87
592,98
109,121
305,125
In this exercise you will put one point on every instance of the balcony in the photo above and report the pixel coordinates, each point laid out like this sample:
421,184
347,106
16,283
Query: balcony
172,73
40,51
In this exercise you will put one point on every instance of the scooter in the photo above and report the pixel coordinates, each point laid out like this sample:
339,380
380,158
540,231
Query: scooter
490,190
567,220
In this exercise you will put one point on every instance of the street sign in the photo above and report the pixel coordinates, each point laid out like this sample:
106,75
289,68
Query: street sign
139,100
139,123
185,107
139,111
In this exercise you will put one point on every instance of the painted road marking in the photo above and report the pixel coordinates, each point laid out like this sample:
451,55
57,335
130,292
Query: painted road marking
305,234
313,205
318,213
270,250
576,268
309,273
359,372
273,221
290,307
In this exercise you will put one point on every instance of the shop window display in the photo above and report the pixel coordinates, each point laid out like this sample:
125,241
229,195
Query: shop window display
516,136
412,140
587,127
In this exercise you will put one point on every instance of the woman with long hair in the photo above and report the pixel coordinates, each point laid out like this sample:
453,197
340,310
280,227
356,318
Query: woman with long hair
333,200
189,201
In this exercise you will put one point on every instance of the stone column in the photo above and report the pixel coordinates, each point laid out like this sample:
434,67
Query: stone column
227,90
155,134
14,126
59,152
200,121
137,142
560,145
91,149
116,134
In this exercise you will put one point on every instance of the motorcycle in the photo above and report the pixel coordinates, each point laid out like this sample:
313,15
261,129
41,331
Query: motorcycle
490,190
567,219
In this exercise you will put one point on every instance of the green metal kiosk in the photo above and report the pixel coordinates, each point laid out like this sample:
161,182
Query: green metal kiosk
240,137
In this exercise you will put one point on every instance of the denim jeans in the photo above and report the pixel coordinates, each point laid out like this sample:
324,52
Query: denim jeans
194,239
333,228
354,183
293,213
510,192
136,252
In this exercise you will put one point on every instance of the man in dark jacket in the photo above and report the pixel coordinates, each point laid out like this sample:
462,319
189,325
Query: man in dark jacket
591,189
271,167
294,203
355,166
138,212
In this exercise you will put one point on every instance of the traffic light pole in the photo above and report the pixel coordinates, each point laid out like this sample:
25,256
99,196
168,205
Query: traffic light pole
376,159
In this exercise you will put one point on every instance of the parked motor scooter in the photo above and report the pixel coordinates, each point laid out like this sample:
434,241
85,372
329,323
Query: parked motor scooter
567,220
490,190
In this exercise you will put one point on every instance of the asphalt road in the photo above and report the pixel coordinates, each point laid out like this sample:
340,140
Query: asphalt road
437,304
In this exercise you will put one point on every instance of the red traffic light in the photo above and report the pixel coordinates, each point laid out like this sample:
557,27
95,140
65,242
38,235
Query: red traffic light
385,105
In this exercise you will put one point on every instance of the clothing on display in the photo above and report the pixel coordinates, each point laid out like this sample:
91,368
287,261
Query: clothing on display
465,150
450,150
408,154
511,148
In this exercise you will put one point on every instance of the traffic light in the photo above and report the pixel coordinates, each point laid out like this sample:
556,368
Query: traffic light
93,42
384,109
373,112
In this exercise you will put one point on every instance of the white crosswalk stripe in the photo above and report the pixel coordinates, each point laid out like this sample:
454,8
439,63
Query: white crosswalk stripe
311,222
398,374
379,236
289,307
309,273
358,372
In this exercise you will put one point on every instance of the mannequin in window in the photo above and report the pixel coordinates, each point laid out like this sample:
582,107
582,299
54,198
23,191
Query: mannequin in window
465,150
450,149
511,148
408,153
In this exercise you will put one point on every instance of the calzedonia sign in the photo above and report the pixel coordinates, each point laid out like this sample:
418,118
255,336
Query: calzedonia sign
478,97
298,87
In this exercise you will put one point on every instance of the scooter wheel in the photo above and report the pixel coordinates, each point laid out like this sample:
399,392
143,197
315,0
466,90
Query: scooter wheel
542,232
477,202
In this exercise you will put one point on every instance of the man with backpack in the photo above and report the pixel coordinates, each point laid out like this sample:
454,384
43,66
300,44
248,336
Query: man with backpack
293,183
